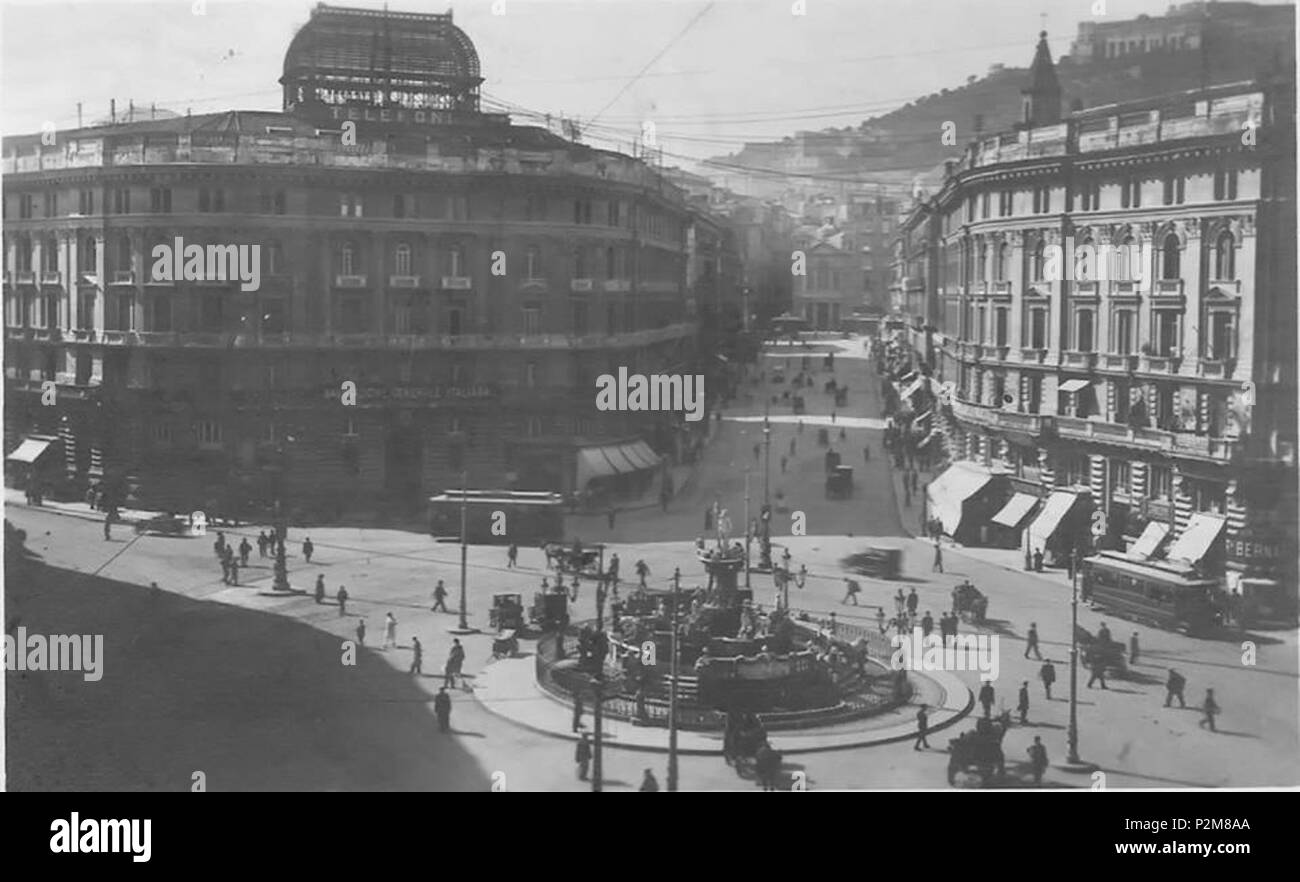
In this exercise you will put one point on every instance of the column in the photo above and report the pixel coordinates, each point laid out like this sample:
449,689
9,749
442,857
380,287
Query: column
1097,480
1236,514
1137,479
1047,475
1182,501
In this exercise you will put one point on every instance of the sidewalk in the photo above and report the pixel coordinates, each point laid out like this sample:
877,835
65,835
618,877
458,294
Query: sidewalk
508,688
1005,558
15,498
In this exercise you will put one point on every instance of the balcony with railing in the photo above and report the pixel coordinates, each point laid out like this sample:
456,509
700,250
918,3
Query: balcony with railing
1116,362
51,279
25,277
456,283
1168,288
618,286
122,277
403,281
581,286
1216,368
1162,364
1000,288
349,281
1170,442
1033,354
1078,359
994,417
1224,287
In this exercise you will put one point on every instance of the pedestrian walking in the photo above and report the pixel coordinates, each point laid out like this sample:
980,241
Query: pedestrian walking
512,556
612,569
1174,687
244,551
1210,708
832,416
1047,673
927,624
866,454
320,588
577,712
390,631
442,709
440,597
1038,560
1133,649
1022,703
880,618
900,602
261,544
922,726
648,783
1103,634
912,602
986,698
234,570
1098,668
219,545
361,633
455,660
851,592
342,596
1037,759
225,571
582,756
108,527
937,567
417,658
1031,642
307,549
642,570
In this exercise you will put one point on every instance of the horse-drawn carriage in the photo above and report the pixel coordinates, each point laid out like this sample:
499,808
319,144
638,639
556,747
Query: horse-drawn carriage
745,746
1110,652
839,482
969,603
979,750
550,610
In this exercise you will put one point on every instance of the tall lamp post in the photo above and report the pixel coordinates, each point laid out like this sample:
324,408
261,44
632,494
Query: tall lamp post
749,529
597,711
462,626
1072,738
672,689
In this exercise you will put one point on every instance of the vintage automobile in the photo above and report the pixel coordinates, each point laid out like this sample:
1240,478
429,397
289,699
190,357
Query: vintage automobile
839,483
507,611
876,562
979,750
573,558
172,525
550,610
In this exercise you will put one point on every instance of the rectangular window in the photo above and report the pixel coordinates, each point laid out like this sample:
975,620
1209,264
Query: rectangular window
1161,482
1125,326
1000,326
1168,340
1223,336
86,202
160,200
532,320
1083,330
52,204
1121,477
121,201
399,208
208,433
1038,328
984,205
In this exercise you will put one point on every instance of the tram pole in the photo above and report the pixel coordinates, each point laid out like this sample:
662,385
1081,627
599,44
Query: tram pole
463,626
1072,738
597,715
672,689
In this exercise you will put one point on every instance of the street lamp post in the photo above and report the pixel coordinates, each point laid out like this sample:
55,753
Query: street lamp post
767,464
749,529
672,689
597,715
1072,738
462,626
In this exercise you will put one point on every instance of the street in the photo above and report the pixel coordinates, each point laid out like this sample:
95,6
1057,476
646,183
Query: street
250,689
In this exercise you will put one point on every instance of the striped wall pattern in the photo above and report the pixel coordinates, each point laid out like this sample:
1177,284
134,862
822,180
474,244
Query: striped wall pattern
1097,478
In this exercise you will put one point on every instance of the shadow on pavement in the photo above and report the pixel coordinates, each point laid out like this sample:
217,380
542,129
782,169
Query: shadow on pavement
254,701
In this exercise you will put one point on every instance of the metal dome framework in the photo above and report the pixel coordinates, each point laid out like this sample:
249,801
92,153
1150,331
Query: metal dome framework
345,56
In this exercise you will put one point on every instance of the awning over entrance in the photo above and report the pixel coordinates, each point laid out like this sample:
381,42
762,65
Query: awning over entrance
947,492
1049,519
1195,541
1073,385
614,459
911,390
29,451
1150,540
1018,507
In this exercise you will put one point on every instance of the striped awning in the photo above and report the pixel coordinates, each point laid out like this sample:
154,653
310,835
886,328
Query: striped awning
29,451
1018,507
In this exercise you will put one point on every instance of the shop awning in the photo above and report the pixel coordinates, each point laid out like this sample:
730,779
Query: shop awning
617,454
1150,540
593,464
29,451
1018,507
1073,385
948,492
641,454
1054,510
911,390
1196,539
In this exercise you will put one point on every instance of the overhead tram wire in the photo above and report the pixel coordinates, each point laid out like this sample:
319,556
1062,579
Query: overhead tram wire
660,54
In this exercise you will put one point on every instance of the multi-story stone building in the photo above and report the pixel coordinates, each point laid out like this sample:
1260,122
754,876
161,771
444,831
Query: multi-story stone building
469,277
1164,392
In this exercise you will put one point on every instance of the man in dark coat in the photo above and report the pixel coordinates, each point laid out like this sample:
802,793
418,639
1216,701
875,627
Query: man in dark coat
1047,673
1022,705
582,756
442,709
986,698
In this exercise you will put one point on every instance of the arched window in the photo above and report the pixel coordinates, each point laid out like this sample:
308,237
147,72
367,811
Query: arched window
402,259
347,259
1225,253
1085,269
1126,261
1170,258
1004,259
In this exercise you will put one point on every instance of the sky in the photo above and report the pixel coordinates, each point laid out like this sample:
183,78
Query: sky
709,76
